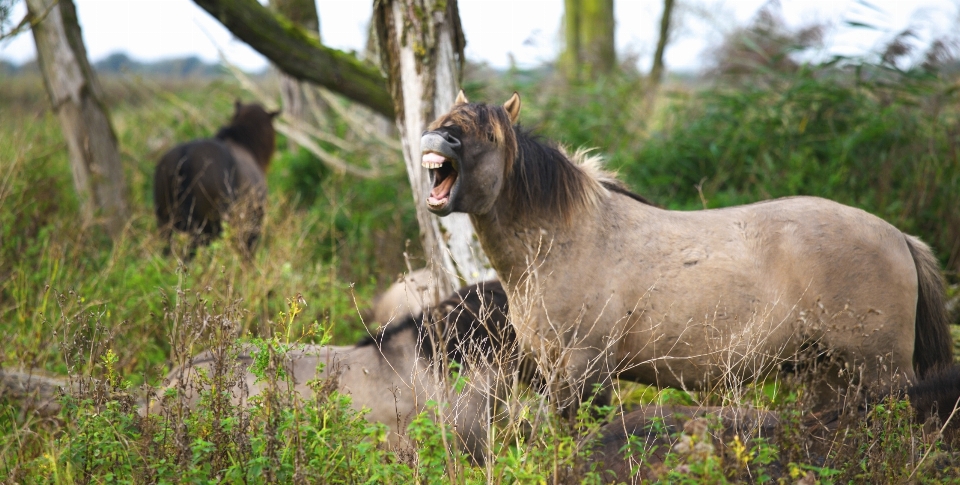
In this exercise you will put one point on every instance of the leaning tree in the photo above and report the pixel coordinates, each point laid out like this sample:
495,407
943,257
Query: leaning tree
77,99
303,13
421,51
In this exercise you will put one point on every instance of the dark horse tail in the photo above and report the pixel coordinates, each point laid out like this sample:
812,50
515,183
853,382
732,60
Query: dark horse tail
933,346
184,200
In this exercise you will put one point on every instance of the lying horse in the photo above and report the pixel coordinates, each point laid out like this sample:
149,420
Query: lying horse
394,373
197,185
661,429
611,285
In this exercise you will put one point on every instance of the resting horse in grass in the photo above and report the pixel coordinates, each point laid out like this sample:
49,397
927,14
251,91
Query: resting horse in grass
603,284
394,373
199,184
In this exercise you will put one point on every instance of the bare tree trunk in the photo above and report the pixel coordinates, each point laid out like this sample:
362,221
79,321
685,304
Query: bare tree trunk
589,39
421,49
656,72
303,14
77,99
596,37
570,59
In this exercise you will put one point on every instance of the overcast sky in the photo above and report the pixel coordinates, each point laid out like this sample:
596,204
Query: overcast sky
527,30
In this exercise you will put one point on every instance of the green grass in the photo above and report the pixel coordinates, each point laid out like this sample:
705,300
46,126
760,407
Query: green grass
334,247
73,302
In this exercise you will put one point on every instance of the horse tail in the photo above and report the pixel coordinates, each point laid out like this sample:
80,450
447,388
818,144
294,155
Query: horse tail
34,389
938,393
185,177
933,346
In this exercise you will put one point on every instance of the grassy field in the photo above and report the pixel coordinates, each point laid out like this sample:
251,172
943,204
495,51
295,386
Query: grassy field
72,302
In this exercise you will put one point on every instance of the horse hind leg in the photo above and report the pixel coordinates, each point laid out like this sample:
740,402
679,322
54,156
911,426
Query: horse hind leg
250,244
166,237
202,236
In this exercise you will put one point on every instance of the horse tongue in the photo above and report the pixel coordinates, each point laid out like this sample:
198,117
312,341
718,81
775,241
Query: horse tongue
441,190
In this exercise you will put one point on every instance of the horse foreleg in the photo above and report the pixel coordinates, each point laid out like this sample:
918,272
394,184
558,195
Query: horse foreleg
587,378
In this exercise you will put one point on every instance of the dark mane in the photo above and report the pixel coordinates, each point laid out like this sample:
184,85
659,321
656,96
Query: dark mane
252,128
471,321
391,330
545,181
620,188
550,182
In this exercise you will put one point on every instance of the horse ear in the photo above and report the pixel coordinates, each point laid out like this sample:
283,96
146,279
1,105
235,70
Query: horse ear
274,114
461,99
236,105
513,107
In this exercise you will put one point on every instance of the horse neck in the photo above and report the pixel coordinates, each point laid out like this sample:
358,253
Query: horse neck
514,244
242,153
256,145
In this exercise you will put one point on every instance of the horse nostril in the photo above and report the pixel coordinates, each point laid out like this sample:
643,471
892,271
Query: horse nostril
452,140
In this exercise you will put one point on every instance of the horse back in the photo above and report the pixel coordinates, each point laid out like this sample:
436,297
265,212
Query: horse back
779,274
249,174
783,250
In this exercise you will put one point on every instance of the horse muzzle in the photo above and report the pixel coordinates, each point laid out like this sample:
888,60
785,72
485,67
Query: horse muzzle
440,157
438,143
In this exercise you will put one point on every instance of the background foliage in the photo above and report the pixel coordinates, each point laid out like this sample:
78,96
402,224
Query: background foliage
863,132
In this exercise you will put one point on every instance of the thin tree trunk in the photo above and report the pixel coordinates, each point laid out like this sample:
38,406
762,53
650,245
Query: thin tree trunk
421,49
656,72
77,99
570,60
303,14
596,37
588,39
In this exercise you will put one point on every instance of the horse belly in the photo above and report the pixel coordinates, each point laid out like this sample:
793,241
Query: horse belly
682,349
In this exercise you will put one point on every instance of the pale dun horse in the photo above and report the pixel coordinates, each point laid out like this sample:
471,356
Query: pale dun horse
603,284
397,372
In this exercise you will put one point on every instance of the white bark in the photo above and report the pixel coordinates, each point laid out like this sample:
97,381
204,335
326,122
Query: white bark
426,87
76,98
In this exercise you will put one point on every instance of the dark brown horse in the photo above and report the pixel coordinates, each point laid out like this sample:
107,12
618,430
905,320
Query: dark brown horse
200,184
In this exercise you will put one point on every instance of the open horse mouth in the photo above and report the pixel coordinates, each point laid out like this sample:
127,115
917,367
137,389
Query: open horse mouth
443,175
441,157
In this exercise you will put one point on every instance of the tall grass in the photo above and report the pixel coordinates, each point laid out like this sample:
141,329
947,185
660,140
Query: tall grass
73,302
347,233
